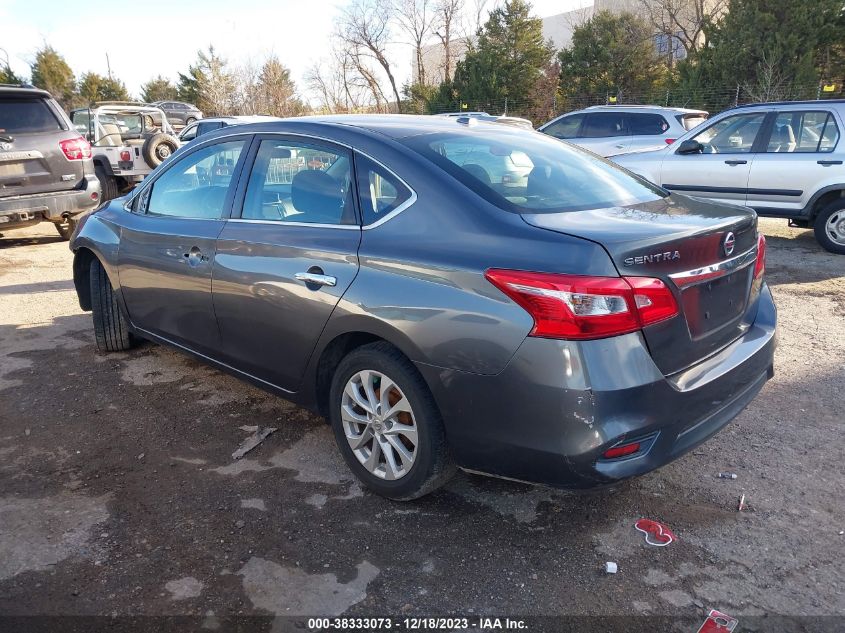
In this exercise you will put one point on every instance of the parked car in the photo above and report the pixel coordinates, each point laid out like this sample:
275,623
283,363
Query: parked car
129,140
611,130
577,330
198,128
46,171
179,113
781,159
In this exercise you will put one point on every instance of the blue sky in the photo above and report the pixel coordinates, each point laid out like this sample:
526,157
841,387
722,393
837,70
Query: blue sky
150,37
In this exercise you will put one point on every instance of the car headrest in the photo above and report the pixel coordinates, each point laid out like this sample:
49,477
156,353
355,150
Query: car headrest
318,195
478,172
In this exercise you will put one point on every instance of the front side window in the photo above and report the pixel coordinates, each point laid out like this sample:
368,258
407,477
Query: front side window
566,127
189,134
379,191
646,124
604,124
543,174
302,183
732,135
803,132
197,185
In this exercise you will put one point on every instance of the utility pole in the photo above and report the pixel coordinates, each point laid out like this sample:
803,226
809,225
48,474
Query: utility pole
108,65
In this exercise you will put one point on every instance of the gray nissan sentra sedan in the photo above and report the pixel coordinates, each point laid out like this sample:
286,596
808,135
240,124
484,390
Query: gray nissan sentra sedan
447,293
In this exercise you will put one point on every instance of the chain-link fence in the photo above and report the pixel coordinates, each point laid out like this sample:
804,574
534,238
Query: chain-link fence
713,100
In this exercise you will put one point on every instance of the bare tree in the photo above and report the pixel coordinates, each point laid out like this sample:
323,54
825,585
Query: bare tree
770,83
446,24
416,18
365,28
683,20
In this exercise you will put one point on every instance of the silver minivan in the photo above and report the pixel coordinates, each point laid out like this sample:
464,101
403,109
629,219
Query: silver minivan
612,130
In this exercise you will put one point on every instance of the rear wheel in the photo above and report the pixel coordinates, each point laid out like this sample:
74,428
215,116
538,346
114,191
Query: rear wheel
111,330
189,120
830,227
108,184
387,425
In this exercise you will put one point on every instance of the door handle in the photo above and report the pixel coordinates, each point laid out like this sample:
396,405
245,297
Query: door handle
829,162
316,279
736,162
194,257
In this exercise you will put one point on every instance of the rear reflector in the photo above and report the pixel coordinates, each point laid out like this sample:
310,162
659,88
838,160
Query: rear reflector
669,141
760,264
125,156
76,148
581,307
621,451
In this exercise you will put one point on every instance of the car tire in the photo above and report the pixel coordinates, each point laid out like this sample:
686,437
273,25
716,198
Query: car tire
430,464
829,227
111,330
189,120
108,184
158,148
66,228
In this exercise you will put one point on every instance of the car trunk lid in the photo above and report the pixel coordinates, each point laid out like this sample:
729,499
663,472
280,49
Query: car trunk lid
704,252
31,157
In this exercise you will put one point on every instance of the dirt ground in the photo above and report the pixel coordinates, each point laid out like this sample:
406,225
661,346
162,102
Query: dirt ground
119,496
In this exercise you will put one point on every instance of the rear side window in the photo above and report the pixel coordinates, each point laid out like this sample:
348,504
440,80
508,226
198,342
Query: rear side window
208,126
543,175
197,185
604,124
803,132
27,115
566,127
379,191
646,124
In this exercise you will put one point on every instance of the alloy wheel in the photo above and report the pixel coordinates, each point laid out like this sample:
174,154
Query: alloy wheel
379,424
835,227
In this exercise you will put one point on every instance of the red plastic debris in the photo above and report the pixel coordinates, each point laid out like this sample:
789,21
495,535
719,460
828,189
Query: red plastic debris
655,532
718,622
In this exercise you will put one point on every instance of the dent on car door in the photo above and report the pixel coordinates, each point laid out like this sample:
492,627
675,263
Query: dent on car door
168,242
287,257
796,159
720,170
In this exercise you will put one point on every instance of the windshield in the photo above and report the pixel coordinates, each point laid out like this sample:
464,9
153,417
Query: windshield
526,172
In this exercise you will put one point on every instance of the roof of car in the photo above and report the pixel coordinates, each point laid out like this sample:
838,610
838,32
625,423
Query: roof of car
635,106
786,104
23,90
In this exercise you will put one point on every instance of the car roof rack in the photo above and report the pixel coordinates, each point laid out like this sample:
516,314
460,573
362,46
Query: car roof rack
30,86
787,103
132,103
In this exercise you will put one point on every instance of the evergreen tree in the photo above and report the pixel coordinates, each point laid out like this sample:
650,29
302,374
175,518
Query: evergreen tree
51,72
507,61
159,89
94,87
611,54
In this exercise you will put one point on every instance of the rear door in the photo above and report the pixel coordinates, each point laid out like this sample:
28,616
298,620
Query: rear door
286,257
798,157
168,244
721,171
32,133
605,133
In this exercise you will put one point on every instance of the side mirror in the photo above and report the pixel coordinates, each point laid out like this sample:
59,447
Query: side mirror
690,146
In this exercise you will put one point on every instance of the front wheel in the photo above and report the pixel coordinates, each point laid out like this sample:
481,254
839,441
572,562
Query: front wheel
387,425
829,227
111,330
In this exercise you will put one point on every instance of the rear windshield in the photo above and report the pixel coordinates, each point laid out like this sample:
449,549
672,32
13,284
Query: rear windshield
22,115
529,172
690,121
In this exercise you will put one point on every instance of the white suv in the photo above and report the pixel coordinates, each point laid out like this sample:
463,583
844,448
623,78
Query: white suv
782,159
611,130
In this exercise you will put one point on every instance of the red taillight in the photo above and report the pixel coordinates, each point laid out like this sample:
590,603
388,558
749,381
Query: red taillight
760,264
580,307
669,141
76,148
125,156
621,451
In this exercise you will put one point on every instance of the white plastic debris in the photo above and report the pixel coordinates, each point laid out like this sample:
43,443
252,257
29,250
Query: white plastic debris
253,440
610,567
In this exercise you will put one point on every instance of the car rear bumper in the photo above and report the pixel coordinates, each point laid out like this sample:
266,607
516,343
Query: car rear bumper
20,211
559,405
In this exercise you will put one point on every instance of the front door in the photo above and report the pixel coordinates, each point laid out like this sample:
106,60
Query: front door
720,171
168,245
283,264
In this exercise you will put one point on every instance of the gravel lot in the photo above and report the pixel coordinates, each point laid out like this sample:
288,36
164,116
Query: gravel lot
119,496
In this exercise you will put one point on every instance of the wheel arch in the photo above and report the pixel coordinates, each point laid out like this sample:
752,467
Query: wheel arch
103,161
823,198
